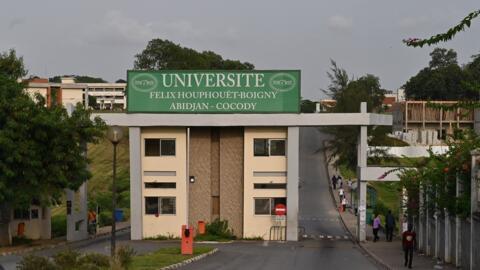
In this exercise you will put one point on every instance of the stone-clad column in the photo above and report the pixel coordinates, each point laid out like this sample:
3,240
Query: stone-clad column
293,147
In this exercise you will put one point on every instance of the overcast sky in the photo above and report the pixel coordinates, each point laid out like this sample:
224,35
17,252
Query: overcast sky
100,38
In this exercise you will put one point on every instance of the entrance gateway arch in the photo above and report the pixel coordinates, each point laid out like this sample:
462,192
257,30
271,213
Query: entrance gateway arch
187,166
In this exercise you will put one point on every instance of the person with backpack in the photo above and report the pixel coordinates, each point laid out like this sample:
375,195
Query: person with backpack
389,225
408,242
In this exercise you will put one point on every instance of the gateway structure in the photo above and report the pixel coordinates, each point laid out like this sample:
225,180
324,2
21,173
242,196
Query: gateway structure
199,163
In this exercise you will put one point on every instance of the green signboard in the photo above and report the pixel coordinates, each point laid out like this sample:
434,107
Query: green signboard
213,91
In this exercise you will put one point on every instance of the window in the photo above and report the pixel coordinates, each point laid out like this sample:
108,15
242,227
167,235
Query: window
260,147
168,148
159,147
152,147
277,147
160,205
34,214
268,147
266,206
161,185
269,186
151,205
167,206
262,206
21,214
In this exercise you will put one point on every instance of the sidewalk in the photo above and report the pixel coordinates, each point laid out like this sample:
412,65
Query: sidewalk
388,254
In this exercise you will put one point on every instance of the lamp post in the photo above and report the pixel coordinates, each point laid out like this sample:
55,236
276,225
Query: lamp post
114,135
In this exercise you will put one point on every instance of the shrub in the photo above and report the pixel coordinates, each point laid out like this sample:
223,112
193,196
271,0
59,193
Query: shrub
59,226
219,228
105,218
125,255
21,240
32,262
66,259
90,260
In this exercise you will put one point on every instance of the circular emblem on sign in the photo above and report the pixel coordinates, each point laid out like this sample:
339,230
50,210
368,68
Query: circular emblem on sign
144,82
282,82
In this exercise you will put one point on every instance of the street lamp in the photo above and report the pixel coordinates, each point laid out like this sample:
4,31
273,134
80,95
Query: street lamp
114,135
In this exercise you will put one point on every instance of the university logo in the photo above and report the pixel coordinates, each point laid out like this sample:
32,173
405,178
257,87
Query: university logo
144,82
282,82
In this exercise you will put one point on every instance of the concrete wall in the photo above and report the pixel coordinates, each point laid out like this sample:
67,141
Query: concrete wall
72,96
409,151
259,225
165,224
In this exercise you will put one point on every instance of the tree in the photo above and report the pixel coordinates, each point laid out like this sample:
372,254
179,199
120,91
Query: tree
349,94
11,66
307,106
442,58
78,79
42,152
120,81
443,79
164,54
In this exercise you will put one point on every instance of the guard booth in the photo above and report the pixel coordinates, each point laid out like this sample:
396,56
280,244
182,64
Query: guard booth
207,145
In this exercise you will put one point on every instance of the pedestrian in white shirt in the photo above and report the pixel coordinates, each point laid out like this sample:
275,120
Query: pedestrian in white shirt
341,193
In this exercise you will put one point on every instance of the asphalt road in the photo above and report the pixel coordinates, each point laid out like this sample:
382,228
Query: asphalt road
317,215
326,245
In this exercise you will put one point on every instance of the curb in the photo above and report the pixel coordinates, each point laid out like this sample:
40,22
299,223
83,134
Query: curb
191,260
352,237
63,243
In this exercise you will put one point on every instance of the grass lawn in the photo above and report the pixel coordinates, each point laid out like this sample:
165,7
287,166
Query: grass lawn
164,257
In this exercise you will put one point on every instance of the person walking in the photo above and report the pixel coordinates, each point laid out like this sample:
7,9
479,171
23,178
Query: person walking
408,241
344,204
334,181
341,193
389,225
340,181
376,227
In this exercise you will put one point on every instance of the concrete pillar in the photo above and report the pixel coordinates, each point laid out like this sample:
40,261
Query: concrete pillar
136,198
448,246
421,221
474,260
458,229
77,222
362,183
293,147
428,248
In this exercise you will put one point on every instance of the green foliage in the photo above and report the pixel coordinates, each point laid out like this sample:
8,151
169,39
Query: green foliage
78,79
59,225
307,106
349,94
443,37
11,66
42,150
21,240
124,255
33,262
219,228
67,259
105,218
95,259
164,54
444,79
437,176
164,257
